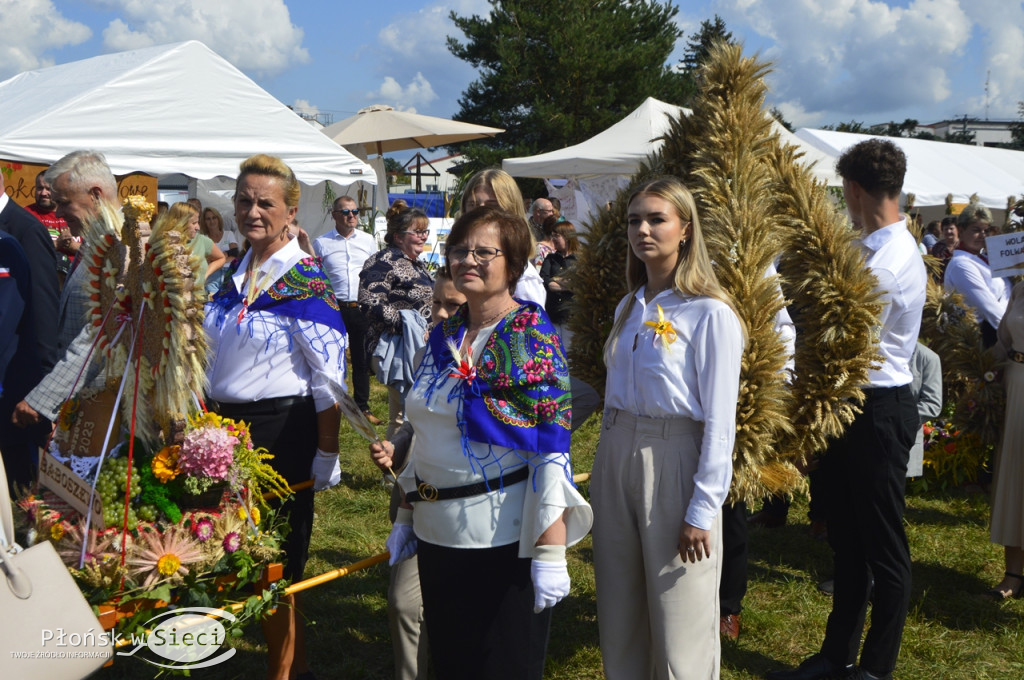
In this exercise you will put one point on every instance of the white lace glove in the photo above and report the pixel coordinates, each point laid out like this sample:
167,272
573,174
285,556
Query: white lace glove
326,470
550,577
402,539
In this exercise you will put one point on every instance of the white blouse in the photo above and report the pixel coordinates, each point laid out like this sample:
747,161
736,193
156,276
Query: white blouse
695,377
971,276
268,355
518,513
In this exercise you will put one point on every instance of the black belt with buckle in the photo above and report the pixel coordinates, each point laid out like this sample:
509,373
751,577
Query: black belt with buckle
1016,356
429,492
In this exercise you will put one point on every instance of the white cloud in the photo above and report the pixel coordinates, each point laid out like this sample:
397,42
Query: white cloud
1000,33
863,58
31,28
254,35
417,93
303,106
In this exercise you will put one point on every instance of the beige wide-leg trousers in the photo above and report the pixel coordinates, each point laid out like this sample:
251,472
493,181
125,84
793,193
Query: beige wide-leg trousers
657,616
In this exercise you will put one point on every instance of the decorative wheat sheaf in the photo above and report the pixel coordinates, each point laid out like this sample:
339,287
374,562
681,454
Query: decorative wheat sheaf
757,205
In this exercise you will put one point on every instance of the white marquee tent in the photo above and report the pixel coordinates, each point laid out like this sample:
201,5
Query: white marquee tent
177,109
935,169
600,166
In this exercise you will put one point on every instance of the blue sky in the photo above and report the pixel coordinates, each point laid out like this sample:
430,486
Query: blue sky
834,60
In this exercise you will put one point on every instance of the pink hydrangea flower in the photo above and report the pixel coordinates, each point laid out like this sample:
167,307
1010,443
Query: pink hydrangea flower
207,452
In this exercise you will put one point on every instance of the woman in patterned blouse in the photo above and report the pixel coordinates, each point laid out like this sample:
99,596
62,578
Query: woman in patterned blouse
395,279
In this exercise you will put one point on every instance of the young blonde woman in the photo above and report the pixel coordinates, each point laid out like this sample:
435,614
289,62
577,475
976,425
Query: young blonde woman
664,463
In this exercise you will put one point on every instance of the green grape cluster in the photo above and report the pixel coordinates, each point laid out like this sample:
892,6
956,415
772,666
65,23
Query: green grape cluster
111,485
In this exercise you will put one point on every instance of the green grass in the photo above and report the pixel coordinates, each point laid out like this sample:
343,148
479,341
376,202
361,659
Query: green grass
952,632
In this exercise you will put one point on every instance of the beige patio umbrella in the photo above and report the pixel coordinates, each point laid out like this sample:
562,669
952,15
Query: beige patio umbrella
382,129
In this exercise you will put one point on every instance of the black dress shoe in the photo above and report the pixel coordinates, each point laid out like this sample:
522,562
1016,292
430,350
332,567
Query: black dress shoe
815,667
861,674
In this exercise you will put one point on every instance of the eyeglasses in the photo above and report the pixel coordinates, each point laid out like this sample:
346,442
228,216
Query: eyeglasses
481,255
345,212
418,232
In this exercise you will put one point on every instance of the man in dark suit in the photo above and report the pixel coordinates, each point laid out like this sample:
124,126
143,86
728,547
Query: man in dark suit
20,366
35,334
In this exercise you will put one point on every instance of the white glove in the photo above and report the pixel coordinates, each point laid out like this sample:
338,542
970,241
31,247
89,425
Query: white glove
550,583
326,470
401,542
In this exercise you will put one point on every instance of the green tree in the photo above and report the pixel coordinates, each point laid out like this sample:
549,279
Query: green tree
699,45
555,72
777,115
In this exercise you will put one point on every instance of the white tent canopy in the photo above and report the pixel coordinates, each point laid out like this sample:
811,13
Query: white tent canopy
163,110
935,169
600,166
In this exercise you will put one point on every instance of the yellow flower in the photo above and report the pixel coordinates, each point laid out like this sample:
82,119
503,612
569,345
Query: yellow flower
168,564
254,513
662,329
165,463
57,531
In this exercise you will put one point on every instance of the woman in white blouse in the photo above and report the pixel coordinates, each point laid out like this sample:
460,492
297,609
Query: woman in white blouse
968,272
276,341
664,463
490,505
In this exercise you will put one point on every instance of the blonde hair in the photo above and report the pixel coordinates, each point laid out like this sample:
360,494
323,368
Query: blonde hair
176,218
505,189
272,166
974,212
693,274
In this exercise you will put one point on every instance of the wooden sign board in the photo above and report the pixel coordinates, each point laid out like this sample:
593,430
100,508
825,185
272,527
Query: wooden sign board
74,490
20,182
1006,253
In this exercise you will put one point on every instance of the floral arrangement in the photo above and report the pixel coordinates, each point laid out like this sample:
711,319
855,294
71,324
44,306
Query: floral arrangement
193,531
952,456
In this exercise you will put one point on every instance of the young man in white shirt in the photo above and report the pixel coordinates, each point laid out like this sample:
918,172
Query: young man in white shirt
343,251
863,471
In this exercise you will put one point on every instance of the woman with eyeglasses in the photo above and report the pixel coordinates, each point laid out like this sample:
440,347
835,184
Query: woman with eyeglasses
489,501
395,279
968,272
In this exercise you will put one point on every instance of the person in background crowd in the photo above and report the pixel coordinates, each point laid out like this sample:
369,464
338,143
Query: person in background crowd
81,182
863,473
664,462
184,218
489,503
212,225
931,235
556,273
968,272
161,208
392,280
276,342
556,207
950,239
197,204
1007,527
495,187
545,246
540,211
45,210
344,250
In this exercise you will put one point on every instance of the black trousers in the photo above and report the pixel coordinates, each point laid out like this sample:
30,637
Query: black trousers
863,479
478,609
289,433
734,558
356,326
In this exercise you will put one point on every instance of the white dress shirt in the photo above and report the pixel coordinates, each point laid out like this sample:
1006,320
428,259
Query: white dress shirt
893,257
696,377
969,275
343,258
519,513
268,355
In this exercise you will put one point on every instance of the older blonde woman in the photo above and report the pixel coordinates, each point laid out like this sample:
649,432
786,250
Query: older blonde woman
276,341
968,272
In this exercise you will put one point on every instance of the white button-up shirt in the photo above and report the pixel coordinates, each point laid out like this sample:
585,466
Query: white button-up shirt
696,377
971,276
893,257
269,355
343,258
